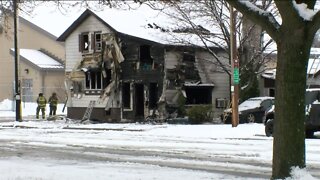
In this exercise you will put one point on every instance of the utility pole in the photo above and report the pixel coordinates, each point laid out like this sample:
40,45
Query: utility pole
234,69
16,61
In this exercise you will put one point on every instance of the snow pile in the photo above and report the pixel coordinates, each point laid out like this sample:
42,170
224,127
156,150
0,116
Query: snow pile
6,105
300,174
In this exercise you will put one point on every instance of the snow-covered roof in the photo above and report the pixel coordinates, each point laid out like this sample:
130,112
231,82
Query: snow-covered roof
146,23
39,59
313,68
269,74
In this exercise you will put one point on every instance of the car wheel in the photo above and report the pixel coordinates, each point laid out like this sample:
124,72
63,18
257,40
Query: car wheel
269,128
251,118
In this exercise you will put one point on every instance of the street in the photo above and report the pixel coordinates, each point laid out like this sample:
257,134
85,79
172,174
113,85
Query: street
147,147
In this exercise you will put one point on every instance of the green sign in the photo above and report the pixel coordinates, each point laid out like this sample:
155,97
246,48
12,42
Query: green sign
236,76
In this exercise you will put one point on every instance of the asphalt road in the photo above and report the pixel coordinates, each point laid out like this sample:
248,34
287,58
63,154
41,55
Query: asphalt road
22,143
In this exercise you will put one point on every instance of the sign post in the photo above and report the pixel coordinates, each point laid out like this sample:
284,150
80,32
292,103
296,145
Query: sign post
235,69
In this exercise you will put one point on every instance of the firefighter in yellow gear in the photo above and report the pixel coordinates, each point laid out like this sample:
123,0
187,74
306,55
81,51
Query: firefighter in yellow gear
53,102
42,102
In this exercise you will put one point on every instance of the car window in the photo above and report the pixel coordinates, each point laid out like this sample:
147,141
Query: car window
266,104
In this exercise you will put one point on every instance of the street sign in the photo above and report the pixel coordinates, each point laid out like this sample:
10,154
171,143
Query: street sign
236,76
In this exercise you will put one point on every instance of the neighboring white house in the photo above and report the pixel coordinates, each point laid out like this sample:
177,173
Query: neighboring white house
126,66
267,85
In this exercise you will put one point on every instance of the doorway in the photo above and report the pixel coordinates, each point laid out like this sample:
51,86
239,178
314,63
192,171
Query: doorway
139,100
153,95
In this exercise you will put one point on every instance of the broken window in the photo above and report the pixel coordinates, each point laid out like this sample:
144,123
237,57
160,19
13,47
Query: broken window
153,95
84,42
271,92
188,57
145,58
126,96
199,94
94,80
97,41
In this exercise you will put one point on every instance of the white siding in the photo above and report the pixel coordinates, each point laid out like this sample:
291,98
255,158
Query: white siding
171,59
211,72
85,100
73,56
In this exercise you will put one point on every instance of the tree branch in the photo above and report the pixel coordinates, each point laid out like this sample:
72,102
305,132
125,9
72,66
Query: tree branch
287,11
315,23
263,18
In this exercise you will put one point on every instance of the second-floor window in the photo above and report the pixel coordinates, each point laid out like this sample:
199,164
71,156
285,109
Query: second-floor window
146,60
97,44
84,42
188,57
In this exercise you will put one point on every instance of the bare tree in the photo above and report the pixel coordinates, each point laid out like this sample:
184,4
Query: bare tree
294,37
209,21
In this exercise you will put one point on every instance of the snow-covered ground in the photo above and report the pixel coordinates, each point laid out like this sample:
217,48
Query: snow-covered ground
38,149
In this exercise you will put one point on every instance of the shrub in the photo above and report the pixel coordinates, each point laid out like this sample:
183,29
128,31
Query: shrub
199,114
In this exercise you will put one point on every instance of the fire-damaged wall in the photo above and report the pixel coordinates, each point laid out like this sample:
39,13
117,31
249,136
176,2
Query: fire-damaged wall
193,78
141,78
130,78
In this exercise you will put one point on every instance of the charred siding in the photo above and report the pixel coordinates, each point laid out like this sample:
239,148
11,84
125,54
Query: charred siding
143,74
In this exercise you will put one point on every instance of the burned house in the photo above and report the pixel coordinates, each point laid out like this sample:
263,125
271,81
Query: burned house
128,75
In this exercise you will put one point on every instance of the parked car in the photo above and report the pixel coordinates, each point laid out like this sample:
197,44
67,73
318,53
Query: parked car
312,114
252,110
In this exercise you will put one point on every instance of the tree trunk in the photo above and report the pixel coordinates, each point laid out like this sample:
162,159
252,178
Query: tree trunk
289,132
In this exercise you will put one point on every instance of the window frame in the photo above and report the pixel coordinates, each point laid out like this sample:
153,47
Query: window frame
82,42
97,48
92,86
221,102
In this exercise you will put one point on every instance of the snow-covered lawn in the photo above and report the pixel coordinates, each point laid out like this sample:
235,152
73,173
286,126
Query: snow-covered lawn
139,151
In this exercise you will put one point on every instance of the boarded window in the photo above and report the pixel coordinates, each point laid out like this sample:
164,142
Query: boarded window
126,97
84,42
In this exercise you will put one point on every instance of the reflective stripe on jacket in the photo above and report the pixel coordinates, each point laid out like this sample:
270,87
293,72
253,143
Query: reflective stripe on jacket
53,101
42,101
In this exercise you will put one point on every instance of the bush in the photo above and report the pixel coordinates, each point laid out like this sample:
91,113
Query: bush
199,114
